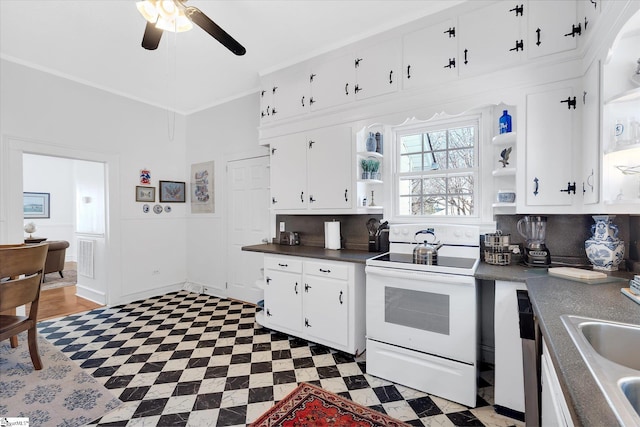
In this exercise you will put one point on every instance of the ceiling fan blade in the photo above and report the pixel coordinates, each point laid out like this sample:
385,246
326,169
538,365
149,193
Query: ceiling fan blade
151,38
203,21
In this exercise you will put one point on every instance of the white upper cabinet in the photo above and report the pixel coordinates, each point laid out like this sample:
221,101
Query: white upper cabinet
551,118
430,55
333,82
491,37
588,14
378,69
285,93
590,147
553,27
289,173
312,170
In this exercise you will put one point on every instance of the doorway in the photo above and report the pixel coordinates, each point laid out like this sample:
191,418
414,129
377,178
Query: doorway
248,224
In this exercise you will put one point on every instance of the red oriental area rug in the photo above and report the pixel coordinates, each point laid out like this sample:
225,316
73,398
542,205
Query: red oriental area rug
309,405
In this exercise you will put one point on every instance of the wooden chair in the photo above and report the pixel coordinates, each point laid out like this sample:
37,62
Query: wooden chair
21,272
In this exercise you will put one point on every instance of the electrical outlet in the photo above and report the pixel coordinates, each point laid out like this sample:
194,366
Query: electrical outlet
281,225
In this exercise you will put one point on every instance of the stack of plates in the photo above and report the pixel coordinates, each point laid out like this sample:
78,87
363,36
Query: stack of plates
634,285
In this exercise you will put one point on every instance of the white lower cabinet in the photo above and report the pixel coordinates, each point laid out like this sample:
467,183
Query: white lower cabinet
317,300
554,411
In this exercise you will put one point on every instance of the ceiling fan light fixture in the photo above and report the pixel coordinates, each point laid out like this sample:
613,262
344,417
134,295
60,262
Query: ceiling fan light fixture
147,9
178,24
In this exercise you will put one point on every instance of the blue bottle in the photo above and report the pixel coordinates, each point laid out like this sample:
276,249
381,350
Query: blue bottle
505,122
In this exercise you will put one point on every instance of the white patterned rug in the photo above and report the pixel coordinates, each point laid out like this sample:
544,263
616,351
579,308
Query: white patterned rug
61,394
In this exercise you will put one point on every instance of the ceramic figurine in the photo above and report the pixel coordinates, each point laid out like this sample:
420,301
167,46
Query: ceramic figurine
604,249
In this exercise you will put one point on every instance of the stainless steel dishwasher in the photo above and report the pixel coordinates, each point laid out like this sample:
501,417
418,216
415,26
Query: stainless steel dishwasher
531,351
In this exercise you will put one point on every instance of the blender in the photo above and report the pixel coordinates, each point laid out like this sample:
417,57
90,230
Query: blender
533,229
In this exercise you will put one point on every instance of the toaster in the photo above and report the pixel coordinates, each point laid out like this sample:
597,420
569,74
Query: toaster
289,238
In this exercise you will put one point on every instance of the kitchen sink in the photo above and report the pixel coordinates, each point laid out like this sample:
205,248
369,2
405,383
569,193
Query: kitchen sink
611,350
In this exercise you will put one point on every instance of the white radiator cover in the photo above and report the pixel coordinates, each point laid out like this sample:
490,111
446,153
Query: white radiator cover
86,257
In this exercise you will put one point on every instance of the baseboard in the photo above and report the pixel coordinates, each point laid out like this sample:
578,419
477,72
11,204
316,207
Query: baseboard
125,299
91,295
508,412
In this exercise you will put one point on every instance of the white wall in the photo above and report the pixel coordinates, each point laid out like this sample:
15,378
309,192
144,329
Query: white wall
45,114
221,133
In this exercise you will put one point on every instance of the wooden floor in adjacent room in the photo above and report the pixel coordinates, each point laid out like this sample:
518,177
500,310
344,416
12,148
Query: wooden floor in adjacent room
63,301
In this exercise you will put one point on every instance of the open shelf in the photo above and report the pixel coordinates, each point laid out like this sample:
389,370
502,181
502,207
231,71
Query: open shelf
504,138
626,96
622,148
504,172
373,154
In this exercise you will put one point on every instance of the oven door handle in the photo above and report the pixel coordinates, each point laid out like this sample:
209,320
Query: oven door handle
395,273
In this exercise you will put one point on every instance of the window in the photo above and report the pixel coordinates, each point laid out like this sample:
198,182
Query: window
437,169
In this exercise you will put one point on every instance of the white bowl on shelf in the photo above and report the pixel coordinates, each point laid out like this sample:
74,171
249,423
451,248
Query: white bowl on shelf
506,196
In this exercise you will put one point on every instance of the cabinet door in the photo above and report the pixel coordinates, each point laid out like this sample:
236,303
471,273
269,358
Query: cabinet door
329,169
554,410
590,167
430,55
283,300
378,69
549,147
289,173
491,37
325,309
333,82
550,29
291,92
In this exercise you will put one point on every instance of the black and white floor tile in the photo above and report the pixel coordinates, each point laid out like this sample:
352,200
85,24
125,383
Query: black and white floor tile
185,359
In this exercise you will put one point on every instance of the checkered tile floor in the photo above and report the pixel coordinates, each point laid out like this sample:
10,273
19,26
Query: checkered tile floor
188,359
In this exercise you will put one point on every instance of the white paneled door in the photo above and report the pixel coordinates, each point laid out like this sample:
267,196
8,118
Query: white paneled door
248,224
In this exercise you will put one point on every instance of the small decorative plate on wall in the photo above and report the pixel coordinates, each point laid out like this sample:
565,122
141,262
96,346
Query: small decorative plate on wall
157,209
145,208
167,209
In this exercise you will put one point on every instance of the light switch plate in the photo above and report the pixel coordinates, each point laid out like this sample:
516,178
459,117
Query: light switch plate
281,225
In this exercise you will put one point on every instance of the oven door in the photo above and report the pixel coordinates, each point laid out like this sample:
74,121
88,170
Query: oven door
428,312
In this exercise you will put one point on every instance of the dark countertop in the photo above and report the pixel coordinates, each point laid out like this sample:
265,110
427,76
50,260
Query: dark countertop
345,255
551,297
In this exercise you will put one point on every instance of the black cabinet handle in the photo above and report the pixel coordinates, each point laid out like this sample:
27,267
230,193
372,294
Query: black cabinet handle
262,114
519,10
302,197
346,88
570,102
306,287
262,92
570,188
311,78
357,62
311,199
357,89
283,265
302,101
268,280
273,111
535,189
311,142
273,200
273,150
451,64
340,298
311,101
346,198
408,71
324,271
465,56
538,42
268,312
274,89
518,47
451,31
575,30
295,288
391,77
306,323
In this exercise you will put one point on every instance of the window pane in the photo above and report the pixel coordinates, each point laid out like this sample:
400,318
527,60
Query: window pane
410,186
435,205
438,140
461,184
411,144
460,205
411,162
404,207
410,205
461,137
435,186
460,159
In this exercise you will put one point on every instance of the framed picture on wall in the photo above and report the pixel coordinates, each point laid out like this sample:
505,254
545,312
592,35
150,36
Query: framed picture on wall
172,192
145,194
202,188
35,205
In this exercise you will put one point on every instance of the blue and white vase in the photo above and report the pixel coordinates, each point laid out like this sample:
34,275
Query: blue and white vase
371,143
604,249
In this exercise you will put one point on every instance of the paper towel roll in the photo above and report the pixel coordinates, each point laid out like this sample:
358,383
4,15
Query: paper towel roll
332,235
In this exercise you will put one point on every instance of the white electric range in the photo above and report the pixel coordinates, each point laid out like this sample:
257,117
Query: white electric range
422,320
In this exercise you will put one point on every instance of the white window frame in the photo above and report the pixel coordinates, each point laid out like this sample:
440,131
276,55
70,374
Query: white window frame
413,127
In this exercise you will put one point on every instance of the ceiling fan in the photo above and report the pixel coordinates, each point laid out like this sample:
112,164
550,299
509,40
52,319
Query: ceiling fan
173,15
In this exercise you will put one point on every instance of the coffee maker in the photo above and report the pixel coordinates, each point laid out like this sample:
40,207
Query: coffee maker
533,229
